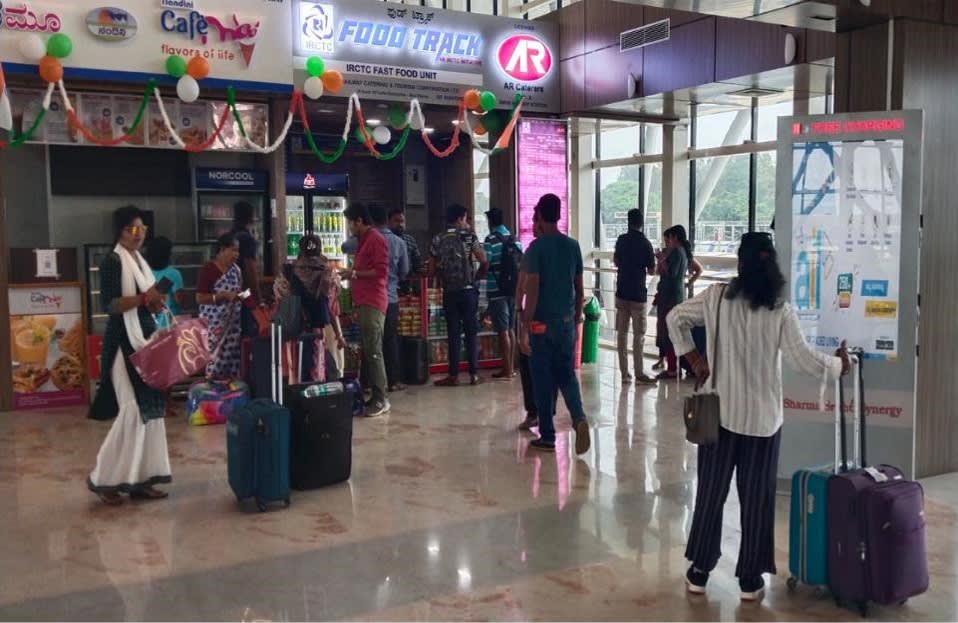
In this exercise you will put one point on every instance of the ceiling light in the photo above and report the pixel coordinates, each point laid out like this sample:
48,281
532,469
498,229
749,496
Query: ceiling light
373,122
428,130
326,110
455,122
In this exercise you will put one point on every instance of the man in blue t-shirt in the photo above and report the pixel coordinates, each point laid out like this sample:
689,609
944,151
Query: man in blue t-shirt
553,309
502,301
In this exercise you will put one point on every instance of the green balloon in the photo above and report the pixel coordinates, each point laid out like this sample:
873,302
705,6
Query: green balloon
315,66
491,121
517,99
176,66
59,45
397,117
488,100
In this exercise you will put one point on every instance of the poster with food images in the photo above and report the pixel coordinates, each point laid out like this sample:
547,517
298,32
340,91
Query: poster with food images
159,135
194,123
255,121
124,114
25,105
96,113
47,347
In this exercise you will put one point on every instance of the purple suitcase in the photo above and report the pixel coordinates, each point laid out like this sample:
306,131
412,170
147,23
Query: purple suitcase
876,530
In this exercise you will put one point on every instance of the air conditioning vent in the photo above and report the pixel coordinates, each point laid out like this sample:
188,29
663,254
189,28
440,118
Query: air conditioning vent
755,92
645,35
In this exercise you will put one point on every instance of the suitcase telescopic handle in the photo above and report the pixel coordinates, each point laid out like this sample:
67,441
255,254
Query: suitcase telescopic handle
858,417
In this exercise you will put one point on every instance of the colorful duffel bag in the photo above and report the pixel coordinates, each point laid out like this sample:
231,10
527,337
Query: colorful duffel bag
212,402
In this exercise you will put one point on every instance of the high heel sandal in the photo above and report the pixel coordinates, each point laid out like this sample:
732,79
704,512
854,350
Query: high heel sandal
110,498
148,493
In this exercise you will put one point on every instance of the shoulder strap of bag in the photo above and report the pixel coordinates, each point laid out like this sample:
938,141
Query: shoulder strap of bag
715,349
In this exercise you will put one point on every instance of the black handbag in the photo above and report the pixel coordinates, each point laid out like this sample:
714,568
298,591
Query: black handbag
703,411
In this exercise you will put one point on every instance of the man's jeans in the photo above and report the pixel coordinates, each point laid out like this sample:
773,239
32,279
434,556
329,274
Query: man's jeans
636,314
552,369
371,323
391,344
462,314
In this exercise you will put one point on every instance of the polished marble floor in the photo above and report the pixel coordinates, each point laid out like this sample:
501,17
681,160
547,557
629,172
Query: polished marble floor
448,516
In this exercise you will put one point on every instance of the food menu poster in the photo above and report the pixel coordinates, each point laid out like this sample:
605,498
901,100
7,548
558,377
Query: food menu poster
541,168
846,244
47,345
109,117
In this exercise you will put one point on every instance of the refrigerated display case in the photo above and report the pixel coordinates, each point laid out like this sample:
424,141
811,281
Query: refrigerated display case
218,190
315,204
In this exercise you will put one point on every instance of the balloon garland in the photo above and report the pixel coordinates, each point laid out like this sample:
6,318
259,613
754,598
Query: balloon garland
320,81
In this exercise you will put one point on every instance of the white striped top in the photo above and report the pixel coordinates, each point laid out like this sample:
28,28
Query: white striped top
749,370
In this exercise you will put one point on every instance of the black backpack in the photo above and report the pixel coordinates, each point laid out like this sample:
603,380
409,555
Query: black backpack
507,274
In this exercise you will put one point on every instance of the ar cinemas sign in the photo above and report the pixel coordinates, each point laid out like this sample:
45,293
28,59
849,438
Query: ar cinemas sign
525,58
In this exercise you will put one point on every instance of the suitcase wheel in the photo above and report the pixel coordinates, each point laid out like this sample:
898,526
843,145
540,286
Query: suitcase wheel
792,583
261,506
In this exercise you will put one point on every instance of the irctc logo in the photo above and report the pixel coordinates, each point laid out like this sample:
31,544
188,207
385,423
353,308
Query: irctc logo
525,58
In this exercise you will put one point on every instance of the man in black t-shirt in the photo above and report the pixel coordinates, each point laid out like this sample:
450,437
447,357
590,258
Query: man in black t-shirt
244,215
635,260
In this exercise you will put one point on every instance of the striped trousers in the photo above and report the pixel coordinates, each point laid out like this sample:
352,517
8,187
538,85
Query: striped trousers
755,462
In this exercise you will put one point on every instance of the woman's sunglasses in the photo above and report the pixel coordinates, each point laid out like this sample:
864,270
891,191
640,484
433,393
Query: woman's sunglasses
136,230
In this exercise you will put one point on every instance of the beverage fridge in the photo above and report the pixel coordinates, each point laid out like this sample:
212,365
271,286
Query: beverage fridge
218,190
315,204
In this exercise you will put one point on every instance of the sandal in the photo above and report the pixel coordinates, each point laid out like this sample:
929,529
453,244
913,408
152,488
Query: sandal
148,493
110,498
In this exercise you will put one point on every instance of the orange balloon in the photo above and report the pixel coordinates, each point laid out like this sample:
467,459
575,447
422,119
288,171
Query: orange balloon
332,80
50,69
198,67
479,130
472,99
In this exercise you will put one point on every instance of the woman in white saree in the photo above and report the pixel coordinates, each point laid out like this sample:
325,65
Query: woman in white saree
133,457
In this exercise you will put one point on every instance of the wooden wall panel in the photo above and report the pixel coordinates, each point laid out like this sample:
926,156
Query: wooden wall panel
843,61
951,12
607,74
862,78
931,83
686,60
819,45
606,19
655,14
745,47
572,77
572,30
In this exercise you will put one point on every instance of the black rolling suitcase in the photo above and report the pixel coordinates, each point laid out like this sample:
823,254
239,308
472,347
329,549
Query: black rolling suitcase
321,434
414,360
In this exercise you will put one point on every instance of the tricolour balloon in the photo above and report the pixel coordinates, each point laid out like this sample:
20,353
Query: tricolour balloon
332,80
188,89
397,117
472,99
198,67
175,66
59,45
32,48
313,88
315,66
488,100
50,69
382,135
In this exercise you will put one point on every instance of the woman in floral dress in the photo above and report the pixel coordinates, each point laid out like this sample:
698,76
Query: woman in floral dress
217,293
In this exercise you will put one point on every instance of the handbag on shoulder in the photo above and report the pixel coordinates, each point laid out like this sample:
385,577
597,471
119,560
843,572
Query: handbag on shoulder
702,412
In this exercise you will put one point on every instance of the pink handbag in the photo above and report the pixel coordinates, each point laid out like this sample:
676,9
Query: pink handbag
174,355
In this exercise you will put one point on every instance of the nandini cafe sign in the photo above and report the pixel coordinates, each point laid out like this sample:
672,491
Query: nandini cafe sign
220,38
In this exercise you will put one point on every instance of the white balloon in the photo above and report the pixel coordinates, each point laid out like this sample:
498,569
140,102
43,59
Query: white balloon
416,122
382,135
32,48
188,89
313,87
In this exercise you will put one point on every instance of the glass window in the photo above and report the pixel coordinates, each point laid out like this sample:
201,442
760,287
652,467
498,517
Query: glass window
653,202
436,4
721,203
541,10
457,5
619,140
765,191
768,115
653,139
721,126
618,193
482,6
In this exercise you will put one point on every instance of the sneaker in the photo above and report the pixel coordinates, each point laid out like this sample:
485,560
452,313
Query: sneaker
530,422
583,440
644,379
378,408
696,580
449,381
626,379
475,379
397,387
543,446
753,589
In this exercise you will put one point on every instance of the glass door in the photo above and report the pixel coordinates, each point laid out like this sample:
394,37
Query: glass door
295,223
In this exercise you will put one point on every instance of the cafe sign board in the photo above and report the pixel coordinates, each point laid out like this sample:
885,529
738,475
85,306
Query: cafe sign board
246,42
392,51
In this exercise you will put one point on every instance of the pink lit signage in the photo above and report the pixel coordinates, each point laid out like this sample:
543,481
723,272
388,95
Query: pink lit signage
541,167
858,126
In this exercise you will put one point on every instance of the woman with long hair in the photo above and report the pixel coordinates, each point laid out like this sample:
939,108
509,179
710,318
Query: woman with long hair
217,292
315,282
673,263
133,457
755,328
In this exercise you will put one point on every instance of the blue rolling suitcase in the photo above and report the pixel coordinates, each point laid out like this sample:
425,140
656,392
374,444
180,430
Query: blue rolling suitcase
808,517
258,441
